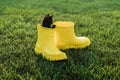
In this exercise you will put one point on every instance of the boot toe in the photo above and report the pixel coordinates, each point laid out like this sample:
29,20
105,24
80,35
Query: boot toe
56,56
84,42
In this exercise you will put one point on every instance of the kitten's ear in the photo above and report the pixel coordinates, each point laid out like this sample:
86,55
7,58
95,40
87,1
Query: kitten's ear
48,14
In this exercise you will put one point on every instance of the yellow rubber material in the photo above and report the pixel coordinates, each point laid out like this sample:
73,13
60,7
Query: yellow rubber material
45,45
65,37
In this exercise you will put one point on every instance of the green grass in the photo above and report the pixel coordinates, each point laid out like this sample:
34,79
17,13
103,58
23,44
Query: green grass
97,19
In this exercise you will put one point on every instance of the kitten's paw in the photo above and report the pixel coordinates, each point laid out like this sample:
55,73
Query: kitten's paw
53,26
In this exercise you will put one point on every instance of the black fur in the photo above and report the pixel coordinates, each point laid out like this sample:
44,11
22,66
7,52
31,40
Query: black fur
48,21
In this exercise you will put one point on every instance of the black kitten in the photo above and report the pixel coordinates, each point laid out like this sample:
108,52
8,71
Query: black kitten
48,21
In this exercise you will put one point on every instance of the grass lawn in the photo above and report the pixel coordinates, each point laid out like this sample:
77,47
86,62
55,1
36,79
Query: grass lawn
97,19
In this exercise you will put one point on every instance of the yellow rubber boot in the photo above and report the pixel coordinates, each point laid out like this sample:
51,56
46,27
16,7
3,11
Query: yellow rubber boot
45,45
65,37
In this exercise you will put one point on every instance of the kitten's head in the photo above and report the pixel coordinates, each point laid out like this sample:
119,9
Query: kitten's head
47,21
49,18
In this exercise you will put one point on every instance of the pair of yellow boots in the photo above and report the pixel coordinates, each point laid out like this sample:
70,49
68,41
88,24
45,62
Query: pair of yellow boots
61,37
